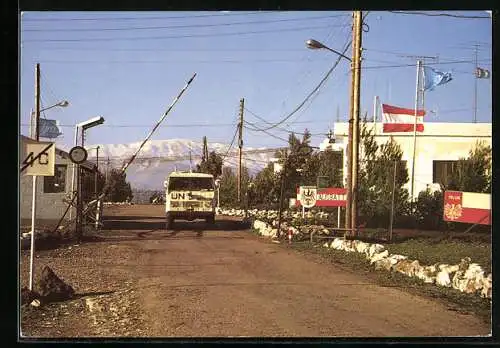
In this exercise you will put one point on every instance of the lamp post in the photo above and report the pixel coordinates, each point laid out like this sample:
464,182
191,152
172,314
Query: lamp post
353,136
313,44
35,121
76,167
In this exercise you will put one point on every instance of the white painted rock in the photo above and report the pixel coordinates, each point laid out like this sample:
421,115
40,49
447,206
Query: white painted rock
427,274
337,244
396,258
486,289
362,247
407,267
375,249
443,278
384,263
379,256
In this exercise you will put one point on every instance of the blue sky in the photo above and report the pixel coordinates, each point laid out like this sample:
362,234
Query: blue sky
129,66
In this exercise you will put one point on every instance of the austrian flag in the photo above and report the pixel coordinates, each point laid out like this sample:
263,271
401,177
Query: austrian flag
398,119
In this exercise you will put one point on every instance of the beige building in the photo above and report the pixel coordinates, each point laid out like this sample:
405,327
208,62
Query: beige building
438,148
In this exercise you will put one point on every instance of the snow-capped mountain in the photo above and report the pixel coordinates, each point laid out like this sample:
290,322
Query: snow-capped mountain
158,158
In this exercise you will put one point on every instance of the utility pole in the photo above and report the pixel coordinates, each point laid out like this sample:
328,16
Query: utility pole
33,206
475,83
357,33
282,189
96,171
107,170
190,162
205,150
240,146
349,138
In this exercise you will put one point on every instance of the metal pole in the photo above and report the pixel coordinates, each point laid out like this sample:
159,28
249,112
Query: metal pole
34,182
78,205
338,217
375,100
96,172
475,84
392,201
419,64
355,133
73,173
240,146
281,193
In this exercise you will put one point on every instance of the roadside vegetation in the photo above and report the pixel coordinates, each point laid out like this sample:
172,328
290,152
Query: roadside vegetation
453,299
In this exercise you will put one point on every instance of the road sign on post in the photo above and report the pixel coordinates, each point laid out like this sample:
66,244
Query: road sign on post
38,158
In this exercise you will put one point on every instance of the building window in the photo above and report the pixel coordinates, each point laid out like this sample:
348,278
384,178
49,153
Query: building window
56,183
442,171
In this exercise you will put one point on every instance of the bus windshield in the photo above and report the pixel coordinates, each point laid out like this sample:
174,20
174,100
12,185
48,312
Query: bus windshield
190,184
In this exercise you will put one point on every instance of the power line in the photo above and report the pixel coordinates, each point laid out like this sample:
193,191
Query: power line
307,56
402,54
174,49
268,133
177,36
179,26
438,14
413,65
232,143
310,94
231,14
191,125
298,83
235,61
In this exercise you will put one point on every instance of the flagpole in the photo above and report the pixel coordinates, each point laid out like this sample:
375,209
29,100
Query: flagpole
475,84
419,64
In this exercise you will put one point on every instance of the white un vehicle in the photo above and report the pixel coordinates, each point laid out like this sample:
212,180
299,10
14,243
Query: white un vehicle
189,196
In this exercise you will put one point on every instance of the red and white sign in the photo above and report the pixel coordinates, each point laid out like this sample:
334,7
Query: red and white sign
398,119
468,207
328,197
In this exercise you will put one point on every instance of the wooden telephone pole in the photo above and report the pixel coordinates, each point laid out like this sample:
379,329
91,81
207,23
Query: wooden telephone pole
240,146
356,86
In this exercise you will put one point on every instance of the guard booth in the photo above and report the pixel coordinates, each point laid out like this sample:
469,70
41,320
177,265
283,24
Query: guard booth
52,191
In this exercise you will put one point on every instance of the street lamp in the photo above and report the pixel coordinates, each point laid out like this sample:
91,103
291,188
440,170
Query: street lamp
62,104
75,168
315,45
36,122
353,131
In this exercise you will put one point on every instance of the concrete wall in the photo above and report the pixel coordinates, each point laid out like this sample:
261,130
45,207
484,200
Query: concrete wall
439,141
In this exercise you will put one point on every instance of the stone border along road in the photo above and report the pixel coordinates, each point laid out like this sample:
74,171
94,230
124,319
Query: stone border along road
465,277
201,282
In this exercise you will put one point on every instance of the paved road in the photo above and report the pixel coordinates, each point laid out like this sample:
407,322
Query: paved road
197,281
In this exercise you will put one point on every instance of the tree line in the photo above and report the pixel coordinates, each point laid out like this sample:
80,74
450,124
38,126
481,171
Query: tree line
301,164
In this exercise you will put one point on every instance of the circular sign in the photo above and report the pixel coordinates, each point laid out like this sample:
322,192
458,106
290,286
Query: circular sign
78,154
308,196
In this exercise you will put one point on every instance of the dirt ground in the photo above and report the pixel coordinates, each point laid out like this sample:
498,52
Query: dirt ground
197,280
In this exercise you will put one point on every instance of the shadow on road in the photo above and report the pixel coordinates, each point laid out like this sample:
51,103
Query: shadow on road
123,228
89,294
143,224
